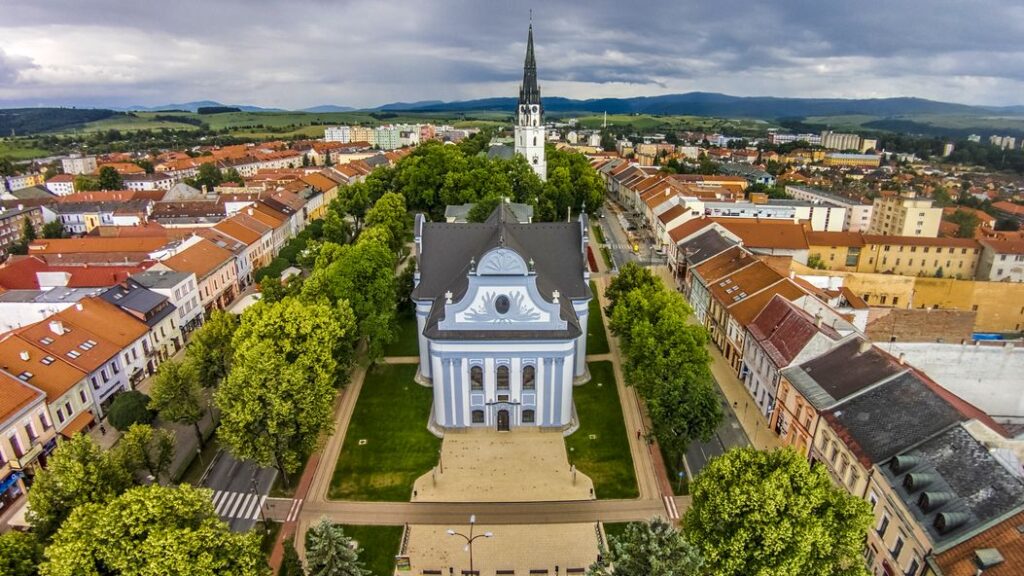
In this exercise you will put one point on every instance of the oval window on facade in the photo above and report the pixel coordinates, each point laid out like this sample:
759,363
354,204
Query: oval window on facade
501,305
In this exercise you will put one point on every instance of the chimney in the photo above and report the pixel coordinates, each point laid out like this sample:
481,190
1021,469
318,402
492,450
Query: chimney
57,327
79,307
903,358
865,345
24,355
817,320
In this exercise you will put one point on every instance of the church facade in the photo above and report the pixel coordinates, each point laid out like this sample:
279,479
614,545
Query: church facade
501,309
529,132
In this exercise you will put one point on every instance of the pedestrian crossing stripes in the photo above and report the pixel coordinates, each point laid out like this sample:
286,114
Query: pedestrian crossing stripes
293,512
670,507
244,505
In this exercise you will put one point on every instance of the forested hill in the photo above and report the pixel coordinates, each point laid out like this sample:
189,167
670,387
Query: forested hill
22,121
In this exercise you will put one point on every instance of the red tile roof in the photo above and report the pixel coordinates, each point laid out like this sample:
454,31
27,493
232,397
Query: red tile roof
20,273
1006,537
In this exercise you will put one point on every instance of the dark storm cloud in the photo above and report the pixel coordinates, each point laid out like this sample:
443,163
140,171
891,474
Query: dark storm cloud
306,52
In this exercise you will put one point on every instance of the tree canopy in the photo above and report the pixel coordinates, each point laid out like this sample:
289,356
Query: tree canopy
277,398
210,350
146,448
20,554
758,513
129,408
330,553
152,530
652,548
110,179
77,473
177,395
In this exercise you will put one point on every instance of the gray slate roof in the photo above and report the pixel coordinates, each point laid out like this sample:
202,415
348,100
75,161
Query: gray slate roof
501,151
979,489
705,246
134,297
840,373
448,249
159,278
887,419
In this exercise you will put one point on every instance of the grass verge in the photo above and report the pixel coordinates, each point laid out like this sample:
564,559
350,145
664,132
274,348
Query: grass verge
407,343
606,253
600,448
391,417
674,465
379,544
597,338
194,472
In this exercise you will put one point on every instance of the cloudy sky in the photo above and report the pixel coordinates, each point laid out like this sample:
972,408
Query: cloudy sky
300,53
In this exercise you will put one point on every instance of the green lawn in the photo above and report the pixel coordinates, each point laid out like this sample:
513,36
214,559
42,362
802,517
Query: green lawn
21,150
391,415
615,529
597,339
194,472
674,465
407,343
379,544
600,448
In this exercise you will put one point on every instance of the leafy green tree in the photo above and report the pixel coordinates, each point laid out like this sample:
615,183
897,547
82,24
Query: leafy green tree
177,395
815,261
631,276
54,230
210,349
277,399
84,183
363,275
152,530
28,235
143,447
78,472
232,175
208,175
652,548
421,175
482,209
129,408
336,227
353,200
272,289
110,179
967,223
772,513
7,167
146,165
330,553
404,287
291,564
389,213
480,178
20,554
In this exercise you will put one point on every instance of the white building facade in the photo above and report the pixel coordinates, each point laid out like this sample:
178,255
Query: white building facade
529,133
501,311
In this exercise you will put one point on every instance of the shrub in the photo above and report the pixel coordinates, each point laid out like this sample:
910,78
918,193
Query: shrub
130,408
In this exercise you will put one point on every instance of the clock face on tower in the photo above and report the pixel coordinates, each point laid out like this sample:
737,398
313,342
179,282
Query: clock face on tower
533,108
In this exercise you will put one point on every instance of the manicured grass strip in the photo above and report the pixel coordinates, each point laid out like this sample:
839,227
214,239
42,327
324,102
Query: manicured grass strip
614,529
379,544
194,472
605,458
597,339
606,253
391,415
674,465
407,343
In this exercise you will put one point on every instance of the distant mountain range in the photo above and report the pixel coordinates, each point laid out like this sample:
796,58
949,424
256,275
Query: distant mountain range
691,103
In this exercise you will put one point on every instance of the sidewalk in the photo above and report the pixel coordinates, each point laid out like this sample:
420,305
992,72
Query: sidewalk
754,424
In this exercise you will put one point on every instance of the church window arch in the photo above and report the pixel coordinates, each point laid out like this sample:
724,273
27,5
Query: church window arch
529,377
502,377
534,140
528,416
476,378
478,416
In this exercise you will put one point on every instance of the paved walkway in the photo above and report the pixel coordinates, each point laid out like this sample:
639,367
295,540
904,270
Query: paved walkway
525,549
523,465
747,413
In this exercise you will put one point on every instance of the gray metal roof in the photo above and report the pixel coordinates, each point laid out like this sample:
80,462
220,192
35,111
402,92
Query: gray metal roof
153,307
705,246
840,373
502,151
554,247
49,296
887,419
159,278
973,488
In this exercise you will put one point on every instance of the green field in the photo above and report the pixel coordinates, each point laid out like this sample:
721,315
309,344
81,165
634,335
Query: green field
651,122
597,338
600,447
379,546
20,150
391,416
407,343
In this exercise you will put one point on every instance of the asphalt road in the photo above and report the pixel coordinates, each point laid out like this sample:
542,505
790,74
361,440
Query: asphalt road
618,240
730,434
239,489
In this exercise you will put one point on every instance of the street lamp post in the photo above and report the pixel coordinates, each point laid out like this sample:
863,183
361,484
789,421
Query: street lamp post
470,538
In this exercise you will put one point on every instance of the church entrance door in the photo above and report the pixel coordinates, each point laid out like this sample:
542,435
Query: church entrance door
502,420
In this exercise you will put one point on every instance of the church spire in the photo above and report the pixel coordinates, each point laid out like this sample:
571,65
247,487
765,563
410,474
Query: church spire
529,92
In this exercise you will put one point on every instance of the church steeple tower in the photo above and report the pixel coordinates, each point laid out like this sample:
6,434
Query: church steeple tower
530,121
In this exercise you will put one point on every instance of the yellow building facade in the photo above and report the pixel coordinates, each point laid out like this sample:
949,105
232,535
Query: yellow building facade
905,216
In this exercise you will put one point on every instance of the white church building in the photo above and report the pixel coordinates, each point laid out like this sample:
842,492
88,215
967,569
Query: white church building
501,308
529,132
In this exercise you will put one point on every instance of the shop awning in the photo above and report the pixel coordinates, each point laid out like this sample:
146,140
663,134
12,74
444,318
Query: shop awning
80,422
9,481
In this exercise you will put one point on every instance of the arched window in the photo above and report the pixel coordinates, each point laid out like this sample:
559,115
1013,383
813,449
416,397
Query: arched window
528,416
503,377
529,377
476,378
478,416
534,140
